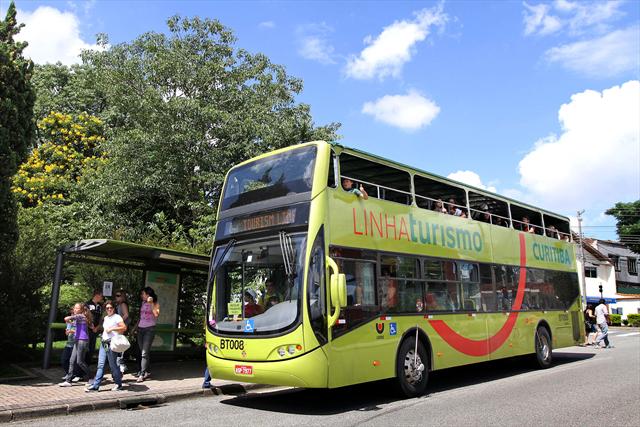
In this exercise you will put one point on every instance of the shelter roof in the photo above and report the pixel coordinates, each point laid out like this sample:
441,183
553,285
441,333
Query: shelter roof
124,253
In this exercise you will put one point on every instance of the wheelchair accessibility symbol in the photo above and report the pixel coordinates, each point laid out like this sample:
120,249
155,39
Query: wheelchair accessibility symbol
248,326
393,329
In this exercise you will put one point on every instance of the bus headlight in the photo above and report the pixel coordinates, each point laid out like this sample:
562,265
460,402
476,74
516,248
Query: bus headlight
281,351
291,349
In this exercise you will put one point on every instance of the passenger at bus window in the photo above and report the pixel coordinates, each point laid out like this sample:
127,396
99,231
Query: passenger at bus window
454,210
390,286
505,301
430,302
485,216
347,185
251,308
553,232
439,207
526,225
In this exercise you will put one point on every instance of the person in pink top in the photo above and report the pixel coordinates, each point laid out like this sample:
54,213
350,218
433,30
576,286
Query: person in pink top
149,312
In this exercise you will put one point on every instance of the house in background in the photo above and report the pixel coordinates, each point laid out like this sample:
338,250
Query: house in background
625,267
597,271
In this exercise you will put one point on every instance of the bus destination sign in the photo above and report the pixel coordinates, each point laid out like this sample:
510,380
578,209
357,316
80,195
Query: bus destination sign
263,220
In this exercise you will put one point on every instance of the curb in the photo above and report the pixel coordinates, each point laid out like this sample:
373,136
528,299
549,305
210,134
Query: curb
9,415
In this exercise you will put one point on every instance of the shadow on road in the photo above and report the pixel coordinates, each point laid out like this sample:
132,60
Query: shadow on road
369,396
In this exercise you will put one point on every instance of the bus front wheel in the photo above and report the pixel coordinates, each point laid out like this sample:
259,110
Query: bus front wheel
412,370
544,356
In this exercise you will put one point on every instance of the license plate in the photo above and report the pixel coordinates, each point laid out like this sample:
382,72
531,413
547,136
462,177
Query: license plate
244,370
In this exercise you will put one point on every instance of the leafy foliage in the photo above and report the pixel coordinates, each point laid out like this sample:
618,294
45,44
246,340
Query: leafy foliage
71,145
628,226
182,108
17,133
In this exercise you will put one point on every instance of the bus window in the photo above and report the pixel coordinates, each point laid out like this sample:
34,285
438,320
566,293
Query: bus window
316,289
488,209
526,220
429,191
442,296
470,296
506,285
379,180
488,298
433,269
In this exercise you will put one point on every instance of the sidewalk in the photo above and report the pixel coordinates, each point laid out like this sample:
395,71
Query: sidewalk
42,396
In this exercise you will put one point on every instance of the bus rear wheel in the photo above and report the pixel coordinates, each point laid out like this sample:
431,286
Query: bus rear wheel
412,370
544,356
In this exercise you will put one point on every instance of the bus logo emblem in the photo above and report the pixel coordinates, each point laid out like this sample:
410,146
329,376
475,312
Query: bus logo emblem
393,328
380,327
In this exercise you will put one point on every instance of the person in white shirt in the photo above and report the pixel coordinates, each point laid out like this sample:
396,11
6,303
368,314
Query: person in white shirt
601,319
111,326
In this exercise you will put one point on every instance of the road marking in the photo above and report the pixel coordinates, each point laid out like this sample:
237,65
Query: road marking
628,335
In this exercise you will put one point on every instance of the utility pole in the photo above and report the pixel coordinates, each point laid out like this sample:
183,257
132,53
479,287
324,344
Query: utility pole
582,273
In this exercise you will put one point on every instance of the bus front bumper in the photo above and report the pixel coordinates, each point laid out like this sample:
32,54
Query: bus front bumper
308,370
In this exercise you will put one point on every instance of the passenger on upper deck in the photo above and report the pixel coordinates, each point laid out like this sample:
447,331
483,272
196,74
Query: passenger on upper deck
553,232
454,210
485,216
347,184
439,207
526,225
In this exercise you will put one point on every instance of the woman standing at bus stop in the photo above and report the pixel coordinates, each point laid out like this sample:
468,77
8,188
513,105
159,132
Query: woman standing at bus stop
149,312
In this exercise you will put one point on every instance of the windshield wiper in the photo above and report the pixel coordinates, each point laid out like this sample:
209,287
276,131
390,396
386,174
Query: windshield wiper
288,257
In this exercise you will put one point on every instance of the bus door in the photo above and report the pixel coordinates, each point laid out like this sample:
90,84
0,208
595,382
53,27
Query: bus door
354,351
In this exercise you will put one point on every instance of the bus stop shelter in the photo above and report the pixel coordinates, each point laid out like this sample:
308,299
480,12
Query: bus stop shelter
160,268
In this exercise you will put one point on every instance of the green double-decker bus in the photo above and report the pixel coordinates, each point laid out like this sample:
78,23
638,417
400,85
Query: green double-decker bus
332,267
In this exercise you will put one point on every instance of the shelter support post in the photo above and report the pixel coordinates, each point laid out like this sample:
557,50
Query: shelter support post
53,308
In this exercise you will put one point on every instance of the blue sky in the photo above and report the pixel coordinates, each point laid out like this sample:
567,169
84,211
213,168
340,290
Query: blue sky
539,101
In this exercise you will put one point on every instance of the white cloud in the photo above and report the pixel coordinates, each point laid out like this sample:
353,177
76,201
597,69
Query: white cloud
408,112
52,35
596,160
471,178
267,25
574,17
314,43
538,20
387,53
607,56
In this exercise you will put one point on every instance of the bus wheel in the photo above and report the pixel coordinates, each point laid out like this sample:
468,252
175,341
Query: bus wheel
543,347
412,369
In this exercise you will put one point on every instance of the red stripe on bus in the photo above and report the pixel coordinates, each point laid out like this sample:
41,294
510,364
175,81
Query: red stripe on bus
484,347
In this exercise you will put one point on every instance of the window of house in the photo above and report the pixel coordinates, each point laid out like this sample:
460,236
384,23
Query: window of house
591,272
632,266
614,260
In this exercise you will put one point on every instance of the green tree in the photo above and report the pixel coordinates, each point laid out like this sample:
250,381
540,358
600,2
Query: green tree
65,89
17,133
71,145
628,226
182,108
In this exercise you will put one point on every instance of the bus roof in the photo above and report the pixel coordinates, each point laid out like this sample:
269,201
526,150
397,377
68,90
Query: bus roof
430,174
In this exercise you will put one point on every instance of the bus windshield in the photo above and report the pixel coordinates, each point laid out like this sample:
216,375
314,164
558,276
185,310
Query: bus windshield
259,280
283,174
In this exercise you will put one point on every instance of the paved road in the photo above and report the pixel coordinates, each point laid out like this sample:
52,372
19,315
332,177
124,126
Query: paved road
584,387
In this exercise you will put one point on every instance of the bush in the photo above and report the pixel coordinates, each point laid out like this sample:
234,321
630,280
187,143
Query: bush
625,322
616,319
634,319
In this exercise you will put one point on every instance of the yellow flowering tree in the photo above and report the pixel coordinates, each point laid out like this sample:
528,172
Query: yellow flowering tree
71,144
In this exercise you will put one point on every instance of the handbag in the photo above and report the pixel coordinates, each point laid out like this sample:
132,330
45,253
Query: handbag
119,344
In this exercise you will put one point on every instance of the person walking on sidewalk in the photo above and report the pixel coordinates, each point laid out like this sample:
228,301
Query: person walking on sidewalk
95,307
122,309
602,318
149,312
589,326
81,319
70,332
112,325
